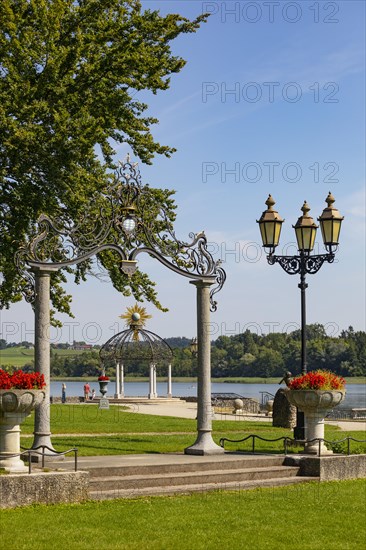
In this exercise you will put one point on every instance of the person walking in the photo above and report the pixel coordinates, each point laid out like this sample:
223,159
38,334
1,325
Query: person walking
86,391
63,393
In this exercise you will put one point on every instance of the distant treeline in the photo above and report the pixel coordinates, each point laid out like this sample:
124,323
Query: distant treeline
246,354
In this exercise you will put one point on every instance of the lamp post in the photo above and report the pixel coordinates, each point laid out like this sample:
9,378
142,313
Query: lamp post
193,347
304,263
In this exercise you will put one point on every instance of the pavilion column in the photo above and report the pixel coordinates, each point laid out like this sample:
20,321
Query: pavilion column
42,431
204,444
122,381
154,378
169,391
117,386
151,382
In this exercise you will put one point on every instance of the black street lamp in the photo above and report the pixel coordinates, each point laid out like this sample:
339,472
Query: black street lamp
193,347
270,225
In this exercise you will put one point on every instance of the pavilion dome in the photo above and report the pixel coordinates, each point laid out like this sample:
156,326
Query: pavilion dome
136,344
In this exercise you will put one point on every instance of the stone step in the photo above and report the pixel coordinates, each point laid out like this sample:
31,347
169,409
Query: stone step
197,488
200,477
204,464
128,476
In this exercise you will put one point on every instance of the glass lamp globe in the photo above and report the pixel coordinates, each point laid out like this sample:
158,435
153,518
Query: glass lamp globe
129,225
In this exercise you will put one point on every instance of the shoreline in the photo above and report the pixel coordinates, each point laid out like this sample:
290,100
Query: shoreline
192,380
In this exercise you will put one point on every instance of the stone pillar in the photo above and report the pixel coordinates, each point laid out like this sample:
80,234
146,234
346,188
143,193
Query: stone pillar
154,378
122,381
314,429
42,431
204,444
117,394
10,445
151,381
169,390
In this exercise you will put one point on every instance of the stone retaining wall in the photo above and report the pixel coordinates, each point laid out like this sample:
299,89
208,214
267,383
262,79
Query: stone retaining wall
73,399
45,488
329,468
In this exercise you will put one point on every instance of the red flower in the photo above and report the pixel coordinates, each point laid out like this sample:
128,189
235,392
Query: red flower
103,378
20,380
318,380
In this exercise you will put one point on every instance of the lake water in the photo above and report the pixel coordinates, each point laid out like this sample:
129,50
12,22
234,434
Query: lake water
355,396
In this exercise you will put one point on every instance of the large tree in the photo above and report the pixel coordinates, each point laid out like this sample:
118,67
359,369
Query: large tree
70,73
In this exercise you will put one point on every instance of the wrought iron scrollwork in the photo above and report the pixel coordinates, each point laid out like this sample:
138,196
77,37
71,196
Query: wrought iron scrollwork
300,264
220,281
58,243
314,263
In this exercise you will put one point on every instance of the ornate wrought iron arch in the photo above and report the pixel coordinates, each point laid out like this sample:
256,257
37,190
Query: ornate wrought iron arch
106,225
124,219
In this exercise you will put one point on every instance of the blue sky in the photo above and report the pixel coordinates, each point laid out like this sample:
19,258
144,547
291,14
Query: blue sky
271,101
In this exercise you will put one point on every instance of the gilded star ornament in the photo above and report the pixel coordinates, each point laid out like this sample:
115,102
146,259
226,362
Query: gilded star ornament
135,318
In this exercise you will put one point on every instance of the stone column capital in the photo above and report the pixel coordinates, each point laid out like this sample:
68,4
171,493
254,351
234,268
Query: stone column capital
202,283
43,271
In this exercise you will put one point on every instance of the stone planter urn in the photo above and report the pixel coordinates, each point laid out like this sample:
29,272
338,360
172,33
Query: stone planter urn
269,407
103,386
238,406
15,406
315,404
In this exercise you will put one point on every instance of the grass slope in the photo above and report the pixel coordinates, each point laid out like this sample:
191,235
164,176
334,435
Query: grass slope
16,356
313,516
19,356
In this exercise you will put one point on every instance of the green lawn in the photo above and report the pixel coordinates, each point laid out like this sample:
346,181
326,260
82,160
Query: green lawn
142,433
121,444
90,419
313,516
80,418
171,443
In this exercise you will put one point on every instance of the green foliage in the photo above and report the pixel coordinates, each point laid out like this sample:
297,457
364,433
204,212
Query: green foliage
268,363
85,364
339,448
270,355
241,356
69,74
